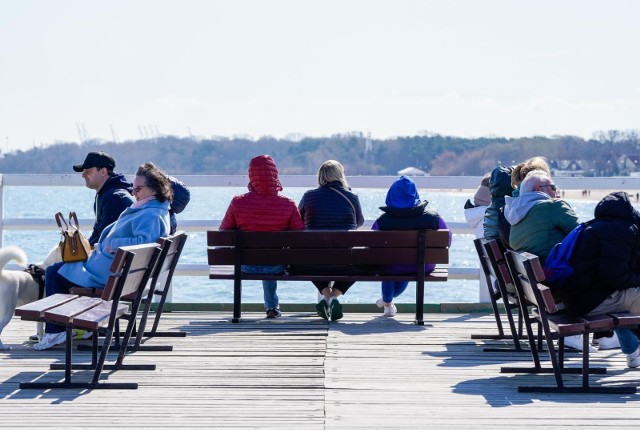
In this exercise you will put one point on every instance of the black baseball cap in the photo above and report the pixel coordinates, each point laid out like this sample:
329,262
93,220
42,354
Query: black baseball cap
96,159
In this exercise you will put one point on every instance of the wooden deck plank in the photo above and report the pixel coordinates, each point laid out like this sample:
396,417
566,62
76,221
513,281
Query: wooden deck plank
300,372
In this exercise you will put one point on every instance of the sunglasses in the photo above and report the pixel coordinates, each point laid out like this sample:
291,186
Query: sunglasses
138,188
552,186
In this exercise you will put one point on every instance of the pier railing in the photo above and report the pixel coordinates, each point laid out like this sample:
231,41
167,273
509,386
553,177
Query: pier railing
444,183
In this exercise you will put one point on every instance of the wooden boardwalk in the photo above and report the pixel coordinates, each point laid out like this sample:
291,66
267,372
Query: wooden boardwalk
300,372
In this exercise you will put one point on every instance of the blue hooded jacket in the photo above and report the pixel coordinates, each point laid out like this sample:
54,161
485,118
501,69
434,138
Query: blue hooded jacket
405,211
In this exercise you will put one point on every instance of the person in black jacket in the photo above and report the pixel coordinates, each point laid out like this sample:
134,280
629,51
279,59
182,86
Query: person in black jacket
606,263
331,206
113,191
404,211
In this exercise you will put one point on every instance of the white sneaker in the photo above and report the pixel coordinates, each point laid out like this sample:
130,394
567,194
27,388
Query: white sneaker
380,302
390,311
50,340
607,342
633,359
575,342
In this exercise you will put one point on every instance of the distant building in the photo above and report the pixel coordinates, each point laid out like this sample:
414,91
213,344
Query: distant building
566,168
412,171
628,164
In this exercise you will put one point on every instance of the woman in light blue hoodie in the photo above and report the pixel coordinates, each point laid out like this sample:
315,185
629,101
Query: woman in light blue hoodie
143,222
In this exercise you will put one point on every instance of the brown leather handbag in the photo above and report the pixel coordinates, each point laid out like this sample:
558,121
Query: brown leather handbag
73,245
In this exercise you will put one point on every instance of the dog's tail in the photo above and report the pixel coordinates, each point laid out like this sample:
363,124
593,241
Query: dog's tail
9,253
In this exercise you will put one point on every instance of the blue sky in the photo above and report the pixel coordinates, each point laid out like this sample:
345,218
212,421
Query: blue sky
280,67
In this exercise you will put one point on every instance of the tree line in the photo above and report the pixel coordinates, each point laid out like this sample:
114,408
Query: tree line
431,152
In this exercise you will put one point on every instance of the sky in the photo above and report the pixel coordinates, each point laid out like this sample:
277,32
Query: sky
128,69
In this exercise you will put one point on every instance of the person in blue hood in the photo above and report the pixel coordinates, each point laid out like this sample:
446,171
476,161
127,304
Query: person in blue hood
404,210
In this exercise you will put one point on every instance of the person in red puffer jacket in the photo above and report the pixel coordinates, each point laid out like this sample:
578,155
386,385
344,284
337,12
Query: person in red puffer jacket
263,209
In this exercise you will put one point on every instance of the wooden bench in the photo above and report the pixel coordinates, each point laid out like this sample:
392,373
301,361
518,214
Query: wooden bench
229,250
130,272
555,324
159,285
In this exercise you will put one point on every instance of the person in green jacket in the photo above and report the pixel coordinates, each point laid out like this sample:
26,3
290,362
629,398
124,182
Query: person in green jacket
538,218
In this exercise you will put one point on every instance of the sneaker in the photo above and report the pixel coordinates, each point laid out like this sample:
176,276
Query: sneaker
335,309
380,303
633,359
575,342
79,334
607,342
50,340
323,309
34,338
273,313
390,311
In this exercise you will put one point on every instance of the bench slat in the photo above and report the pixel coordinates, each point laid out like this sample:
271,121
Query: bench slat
363,256
35,310
98,316
65,313
329,238
440,274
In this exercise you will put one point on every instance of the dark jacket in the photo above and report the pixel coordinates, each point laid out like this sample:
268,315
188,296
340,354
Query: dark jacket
331,207
499,186
605,257
111,200
415,218
405,211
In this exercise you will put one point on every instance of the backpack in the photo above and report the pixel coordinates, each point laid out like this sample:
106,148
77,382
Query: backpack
558,268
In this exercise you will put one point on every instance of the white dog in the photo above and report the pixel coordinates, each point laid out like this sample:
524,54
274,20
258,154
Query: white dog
17,287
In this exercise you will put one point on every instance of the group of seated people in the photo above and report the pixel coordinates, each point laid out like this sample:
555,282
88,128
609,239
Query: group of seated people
526,214
331,206
144,219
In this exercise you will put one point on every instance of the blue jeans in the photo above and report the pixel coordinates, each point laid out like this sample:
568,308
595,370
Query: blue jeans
392,289
55,284
268,287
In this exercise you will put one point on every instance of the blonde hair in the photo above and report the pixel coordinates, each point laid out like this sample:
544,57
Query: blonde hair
522,170
330,171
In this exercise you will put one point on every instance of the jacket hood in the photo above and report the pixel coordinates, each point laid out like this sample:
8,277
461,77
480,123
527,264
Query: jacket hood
263,175
615,205
403,193
116,180
500,182
516,208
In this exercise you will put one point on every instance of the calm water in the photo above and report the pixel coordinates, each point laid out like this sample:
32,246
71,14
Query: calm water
211,203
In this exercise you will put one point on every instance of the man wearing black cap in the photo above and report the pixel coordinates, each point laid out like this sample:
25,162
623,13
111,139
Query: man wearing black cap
113,192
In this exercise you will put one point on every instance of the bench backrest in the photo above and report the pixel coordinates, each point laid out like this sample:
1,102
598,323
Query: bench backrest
527,274
171,247
327,247
130,270
495,253
487,269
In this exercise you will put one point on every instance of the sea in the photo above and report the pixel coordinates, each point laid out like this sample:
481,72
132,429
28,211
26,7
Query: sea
211,204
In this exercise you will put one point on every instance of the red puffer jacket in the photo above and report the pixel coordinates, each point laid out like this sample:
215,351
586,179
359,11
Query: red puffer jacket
262,208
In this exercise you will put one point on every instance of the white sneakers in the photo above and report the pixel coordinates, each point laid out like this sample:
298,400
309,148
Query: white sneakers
575,342
607,342
633,359
49,340
389,311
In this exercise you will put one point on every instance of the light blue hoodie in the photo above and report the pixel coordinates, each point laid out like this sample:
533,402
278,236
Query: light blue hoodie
516,208
144,224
